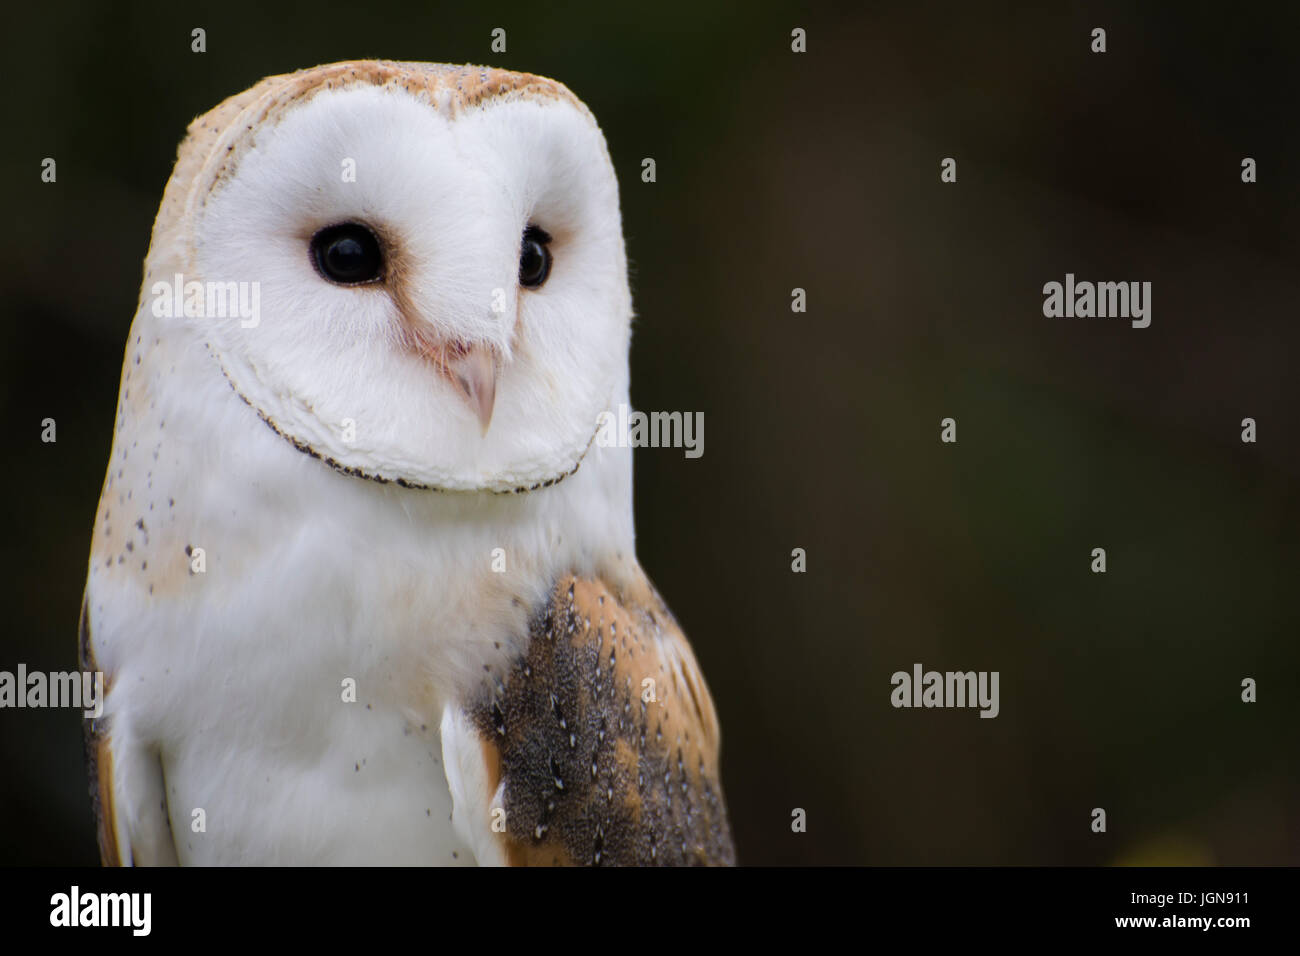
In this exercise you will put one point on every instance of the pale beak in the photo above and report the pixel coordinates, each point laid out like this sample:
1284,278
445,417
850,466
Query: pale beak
474,373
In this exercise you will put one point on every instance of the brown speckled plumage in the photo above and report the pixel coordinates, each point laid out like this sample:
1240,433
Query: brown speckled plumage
594,774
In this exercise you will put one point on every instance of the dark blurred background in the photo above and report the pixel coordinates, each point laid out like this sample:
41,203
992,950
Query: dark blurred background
821,171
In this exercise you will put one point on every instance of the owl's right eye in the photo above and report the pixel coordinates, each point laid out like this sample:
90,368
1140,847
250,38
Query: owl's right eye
348,254
534,258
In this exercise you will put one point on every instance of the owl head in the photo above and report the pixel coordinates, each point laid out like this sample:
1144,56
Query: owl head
414,272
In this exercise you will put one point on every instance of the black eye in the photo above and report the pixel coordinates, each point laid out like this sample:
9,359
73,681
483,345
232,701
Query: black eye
347,254
534,258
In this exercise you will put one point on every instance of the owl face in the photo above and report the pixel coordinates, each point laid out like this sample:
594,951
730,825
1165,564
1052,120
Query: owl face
441,282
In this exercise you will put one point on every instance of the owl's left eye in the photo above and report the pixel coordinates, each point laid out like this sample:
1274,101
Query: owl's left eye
534,258
348,254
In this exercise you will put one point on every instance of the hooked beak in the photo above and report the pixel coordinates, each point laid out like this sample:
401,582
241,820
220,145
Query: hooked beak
473,370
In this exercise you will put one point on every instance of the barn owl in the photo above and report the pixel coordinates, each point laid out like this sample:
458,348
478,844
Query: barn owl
362,583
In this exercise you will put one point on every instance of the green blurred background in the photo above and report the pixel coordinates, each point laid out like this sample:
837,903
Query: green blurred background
820,171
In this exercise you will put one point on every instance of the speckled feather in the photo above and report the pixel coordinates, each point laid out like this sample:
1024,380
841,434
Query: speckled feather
603,738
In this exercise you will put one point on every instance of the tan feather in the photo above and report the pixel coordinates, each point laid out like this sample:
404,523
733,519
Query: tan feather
602,743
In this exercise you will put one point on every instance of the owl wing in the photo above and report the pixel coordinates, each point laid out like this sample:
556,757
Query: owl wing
126,785
600,747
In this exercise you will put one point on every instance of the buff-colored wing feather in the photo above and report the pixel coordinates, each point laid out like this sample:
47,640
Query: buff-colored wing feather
599,747
128,795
